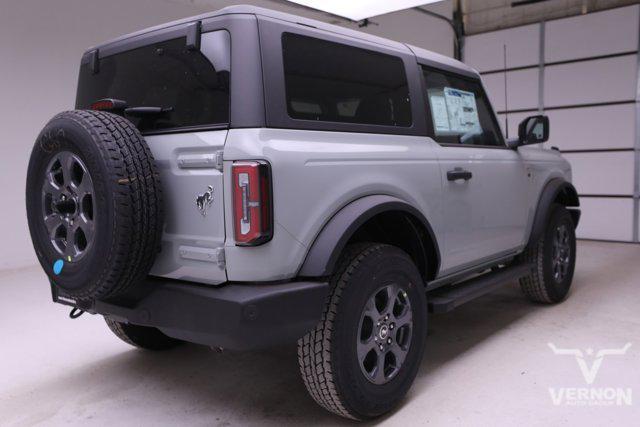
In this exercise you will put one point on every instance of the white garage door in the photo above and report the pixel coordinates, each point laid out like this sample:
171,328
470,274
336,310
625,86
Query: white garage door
583,73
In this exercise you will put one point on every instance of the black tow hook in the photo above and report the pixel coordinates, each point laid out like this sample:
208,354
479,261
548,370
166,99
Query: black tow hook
75,313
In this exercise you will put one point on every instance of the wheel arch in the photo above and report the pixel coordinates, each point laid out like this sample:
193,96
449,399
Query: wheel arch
397,222
558,191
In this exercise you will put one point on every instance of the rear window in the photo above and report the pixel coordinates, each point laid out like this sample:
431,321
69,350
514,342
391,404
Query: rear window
195,83
332,82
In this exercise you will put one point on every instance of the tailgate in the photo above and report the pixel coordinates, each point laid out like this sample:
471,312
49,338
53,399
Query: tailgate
193,238
171,90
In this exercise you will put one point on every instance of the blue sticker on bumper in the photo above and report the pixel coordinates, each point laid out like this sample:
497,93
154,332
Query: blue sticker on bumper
57,266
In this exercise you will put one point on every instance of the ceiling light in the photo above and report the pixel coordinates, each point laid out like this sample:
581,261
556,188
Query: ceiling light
357,10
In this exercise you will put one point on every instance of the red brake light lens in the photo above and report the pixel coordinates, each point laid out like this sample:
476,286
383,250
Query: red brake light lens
108,104
252,210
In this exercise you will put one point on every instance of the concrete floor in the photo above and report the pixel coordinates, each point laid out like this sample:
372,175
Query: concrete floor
488,363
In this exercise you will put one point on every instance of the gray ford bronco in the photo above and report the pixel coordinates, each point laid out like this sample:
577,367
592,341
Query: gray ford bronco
248,178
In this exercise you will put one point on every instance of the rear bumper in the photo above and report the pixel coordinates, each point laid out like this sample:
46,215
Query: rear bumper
233,316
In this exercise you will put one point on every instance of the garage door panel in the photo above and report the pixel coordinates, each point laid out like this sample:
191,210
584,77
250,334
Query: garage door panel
594,34
485,52
589,82
608,173
609,126
522,89
514,121
606,219
494,85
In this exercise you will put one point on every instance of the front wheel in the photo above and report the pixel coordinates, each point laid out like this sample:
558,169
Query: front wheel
553,256
363,356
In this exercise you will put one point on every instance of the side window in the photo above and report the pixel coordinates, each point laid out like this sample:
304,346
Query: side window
460,111
332,82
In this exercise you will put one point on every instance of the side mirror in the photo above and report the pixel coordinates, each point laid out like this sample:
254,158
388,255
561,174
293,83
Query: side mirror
532,130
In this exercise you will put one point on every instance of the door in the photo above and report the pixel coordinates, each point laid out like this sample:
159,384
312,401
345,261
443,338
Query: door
485,184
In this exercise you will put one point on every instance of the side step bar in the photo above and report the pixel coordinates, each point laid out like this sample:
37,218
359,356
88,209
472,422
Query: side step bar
447,298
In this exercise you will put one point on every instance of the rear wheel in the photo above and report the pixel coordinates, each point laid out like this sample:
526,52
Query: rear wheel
554,257
142,336
363,356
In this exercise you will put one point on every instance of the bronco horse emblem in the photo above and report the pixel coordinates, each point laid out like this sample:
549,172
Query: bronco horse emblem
203,201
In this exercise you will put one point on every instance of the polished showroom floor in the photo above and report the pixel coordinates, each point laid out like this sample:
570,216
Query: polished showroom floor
488,363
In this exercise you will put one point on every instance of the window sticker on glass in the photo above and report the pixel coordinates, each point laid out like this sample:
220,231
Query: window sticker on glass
462,111
439,111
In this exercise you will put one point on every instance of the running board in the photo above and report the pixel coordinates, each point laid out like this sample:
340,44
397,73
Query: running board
447,298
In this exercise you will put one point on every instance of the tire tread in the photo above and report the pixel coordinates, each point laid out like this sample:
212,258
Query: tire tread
314,349
535,286
138,208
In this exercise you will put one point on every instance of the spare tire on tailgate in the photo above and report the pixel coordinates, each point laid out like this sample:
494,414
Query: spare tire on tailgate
94,204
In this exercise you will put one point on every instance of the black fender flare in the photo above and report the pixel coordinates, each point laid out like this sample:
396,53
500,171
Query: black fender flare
326,249
556,189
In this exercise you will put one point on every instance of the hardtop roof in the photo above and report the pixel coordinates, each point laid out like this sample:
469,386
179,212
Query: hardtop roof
420,53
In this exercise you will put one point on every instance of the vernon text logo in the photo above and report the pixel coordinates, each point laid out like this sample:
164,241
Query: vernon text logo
589,362
590,372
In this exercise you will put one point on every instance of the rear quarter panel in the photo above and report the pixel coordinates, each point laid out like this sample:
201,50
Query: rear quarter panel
315,174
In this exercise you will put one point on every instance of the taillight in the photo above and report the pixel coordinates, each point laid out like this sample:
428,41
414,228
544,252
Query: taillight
252,214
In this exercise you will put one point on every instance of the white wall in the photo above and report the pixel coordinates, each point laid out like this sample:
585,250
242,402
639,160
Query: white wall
590,79
41,42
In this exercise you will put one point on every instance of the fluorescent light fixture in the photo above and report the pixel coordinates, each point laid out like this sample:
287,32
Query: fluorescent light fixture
357,10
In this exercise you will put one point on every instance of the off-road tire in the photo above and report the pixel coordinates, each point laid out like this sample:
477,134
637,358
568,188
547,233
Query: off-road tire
142,336
326,355
541,286
128,204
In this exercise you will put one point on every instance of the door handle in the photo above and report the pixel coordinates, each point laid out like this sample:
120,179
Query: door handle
459,173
